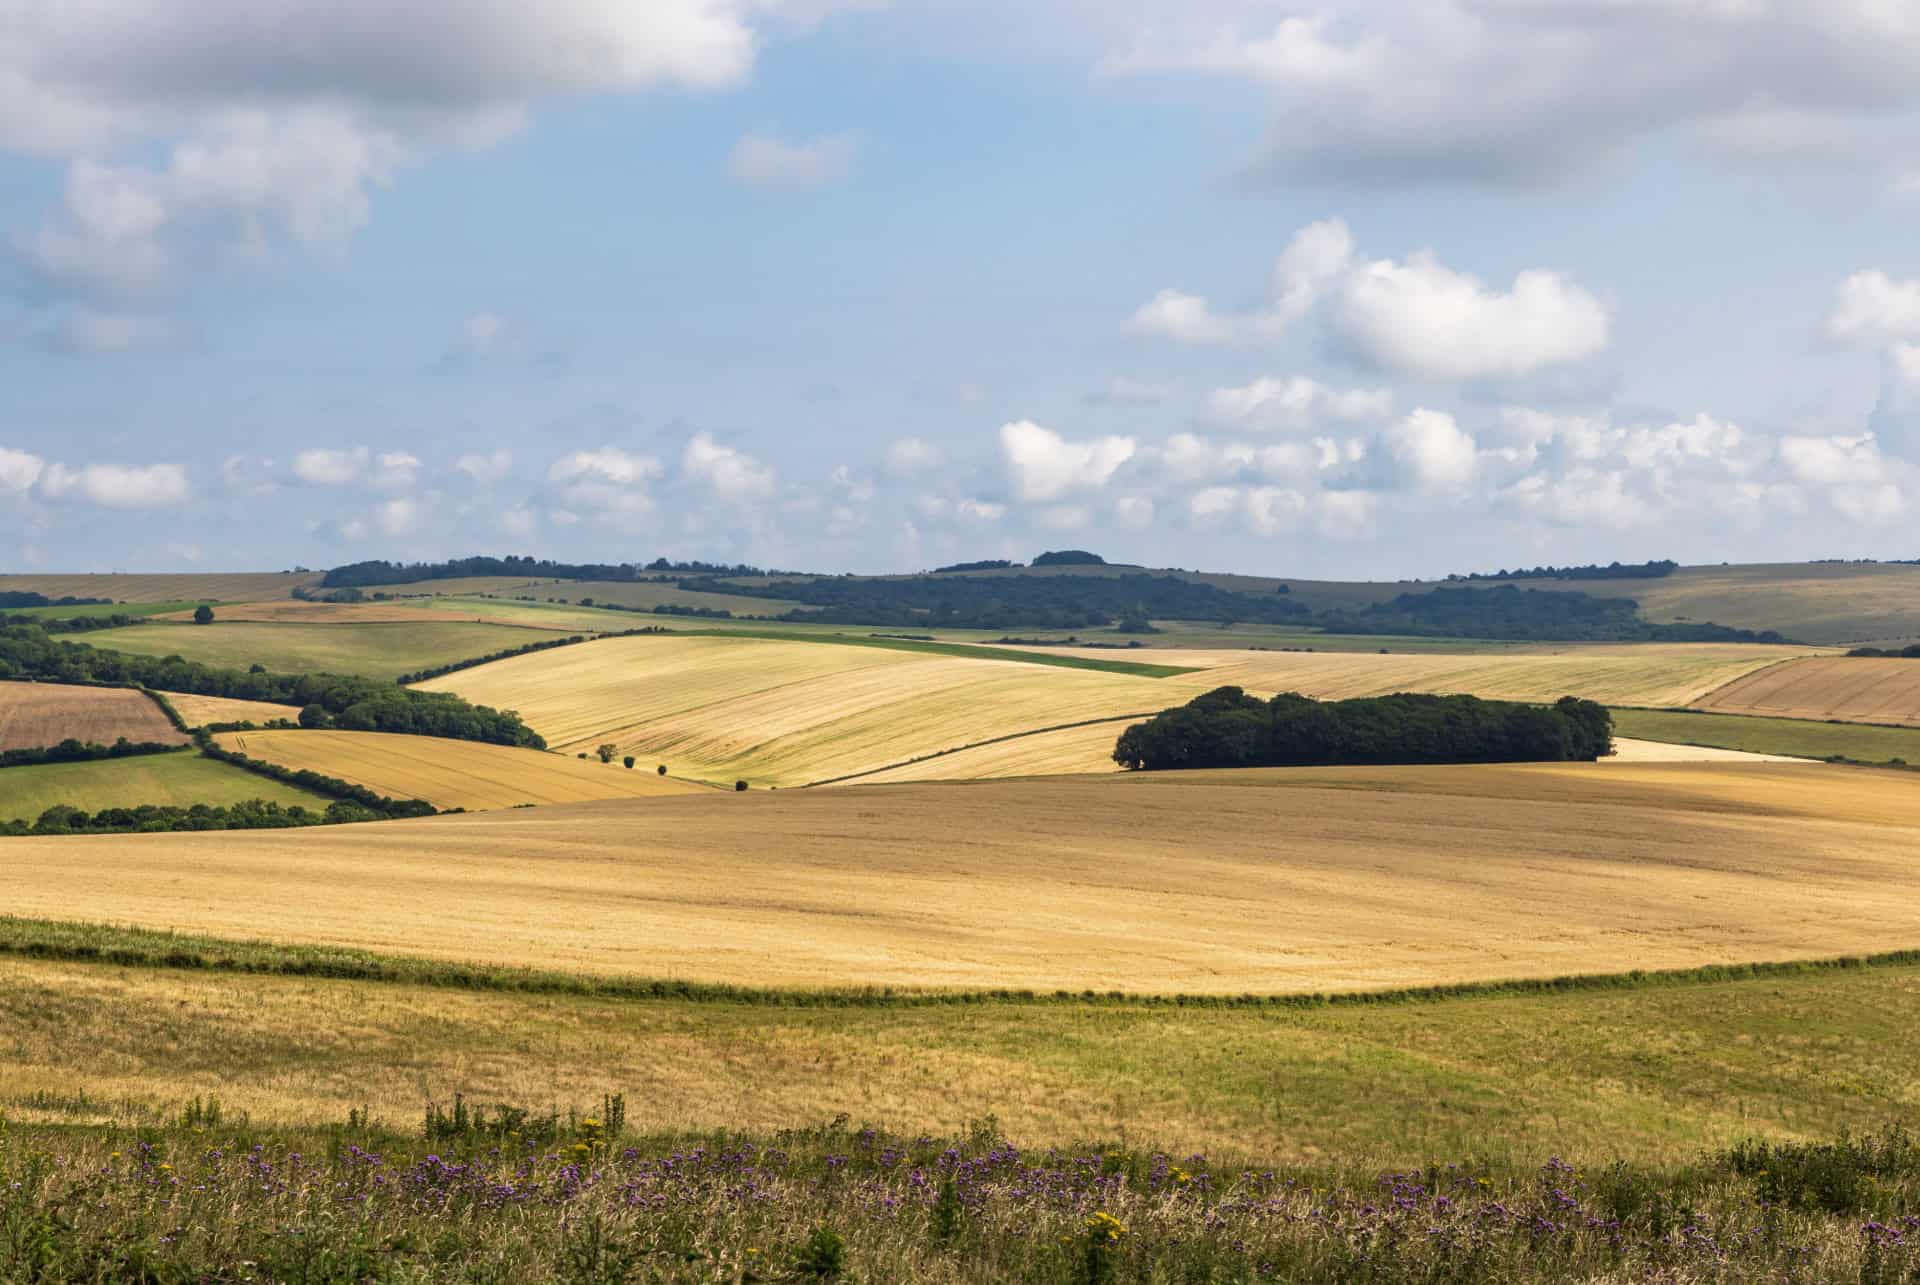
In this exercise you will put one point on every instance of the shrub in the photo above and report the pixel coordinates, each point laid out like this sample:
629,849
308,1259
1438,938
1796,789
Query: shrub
628,760
739,785
203,614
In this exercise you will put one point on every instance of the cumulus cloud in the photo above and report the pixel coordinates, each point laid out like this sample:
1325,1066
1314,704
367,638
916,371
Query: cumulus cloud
912,455
1833,460
1043,465
607,479
1431,450
1422,318
321,467
1524,92
1133,512
398,517
396,470
729,473
486,469
1273,511
19,470
1316,258
1185,318
767,161
117,486
1872,307
1290,405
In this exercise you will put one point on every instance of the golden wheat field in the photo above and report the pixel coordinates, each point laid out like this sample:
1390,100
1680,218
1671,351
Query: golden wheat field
220,587
200,711
796,713
1263,880
1852,689
34,715
453,774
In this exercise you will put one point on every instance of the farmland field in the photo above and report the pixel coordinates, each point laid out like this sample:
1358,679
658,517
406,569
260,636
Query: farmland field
33,715
1263,880
1853,689
1799,738
371,650
218,587
181,779
199,711
453,774
297,610
789,713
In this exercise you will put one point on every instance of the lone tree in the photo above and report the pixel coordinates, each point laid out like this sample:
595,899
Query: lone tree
739,785
629,762
663,769
607,751
203,614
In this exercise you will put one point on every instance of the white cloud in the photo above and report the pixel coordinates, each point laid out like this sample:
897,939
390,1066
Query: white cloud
979,510
607,479
1271,511
1065,517
1833,460
19,470
1294,404
1134,512
486,469
395,470
1871,307
1174,314
398,517
117,486
1422,318
1880,505
321,467
1526,91
911,455
1045,466
730,474
1431,450
763,160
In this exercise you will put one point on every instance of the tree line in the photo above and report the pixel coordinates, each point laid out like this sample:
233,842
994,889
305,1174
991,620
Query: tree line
1910,652
1649,570
1228,728
1507,611
74,750
14,599
349,702
363,575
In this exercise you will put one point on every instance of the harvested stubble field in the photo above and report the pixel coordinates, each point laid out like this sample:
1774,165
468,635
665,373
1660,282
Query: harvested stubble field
454,774
794,713
1853,689
34,715
373,650
1652,1073
294,610
217,587
180,779
201,711
1263,880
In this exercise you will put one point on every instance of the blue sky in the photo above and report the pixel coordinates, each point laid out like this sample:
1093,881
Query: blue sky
1349,289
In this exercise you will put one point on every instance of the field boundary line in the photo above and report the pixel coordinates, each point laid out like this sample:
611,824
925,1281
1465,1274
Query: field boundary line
57,941
997,740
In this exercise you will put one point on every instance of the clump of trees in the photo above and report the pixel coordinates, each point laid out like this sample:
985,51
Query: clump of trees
327,700
1228,728
985,564
148,818
1910,652
14,599
1649,570
1069,558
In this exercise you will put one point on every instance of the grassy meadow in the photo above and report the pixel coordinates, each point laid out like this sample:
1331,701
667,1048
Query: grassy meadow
1267,880
453,774
181,779
373,650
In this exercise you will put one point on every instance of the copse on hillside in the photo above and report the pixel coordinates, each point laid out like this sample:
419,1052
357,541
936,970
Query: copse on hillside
1228,728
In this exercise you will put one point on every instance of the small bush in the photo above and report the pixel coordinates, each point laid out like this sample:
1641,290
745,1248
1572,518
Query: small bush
739,785
629,762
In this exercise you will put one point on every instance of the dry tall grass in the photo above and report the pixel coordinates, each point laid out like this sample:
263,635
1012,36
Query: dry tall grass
1265,880
33,715
454,774
1852,689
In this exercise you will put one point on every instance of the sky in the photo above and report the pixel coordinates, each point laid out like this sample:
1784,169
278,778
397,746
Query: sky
1363,288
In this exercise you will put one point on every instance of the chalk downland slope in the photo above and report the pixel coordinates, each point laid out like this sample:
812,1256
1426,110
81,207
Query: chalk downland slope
35,715
1261,880
1852,689
180,779
794,713
454,774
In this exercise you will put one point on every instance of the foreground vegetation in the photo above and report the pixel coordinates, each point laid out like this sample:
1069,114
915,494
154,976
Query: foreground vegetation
515,1195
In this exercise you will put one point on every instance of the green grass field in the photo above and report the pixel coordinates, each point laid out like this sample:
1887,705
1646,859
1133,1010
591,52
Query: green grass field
1799,737
383,649
181,779
1653,1071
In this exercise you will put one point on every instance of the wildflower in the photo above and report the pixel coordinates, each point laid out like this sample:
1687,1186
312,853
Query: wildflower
1104,1226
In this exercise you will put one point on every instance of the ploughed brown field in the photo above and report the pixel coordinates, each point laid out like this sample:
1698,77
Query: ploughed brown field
1852,689
33,715
1262,881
